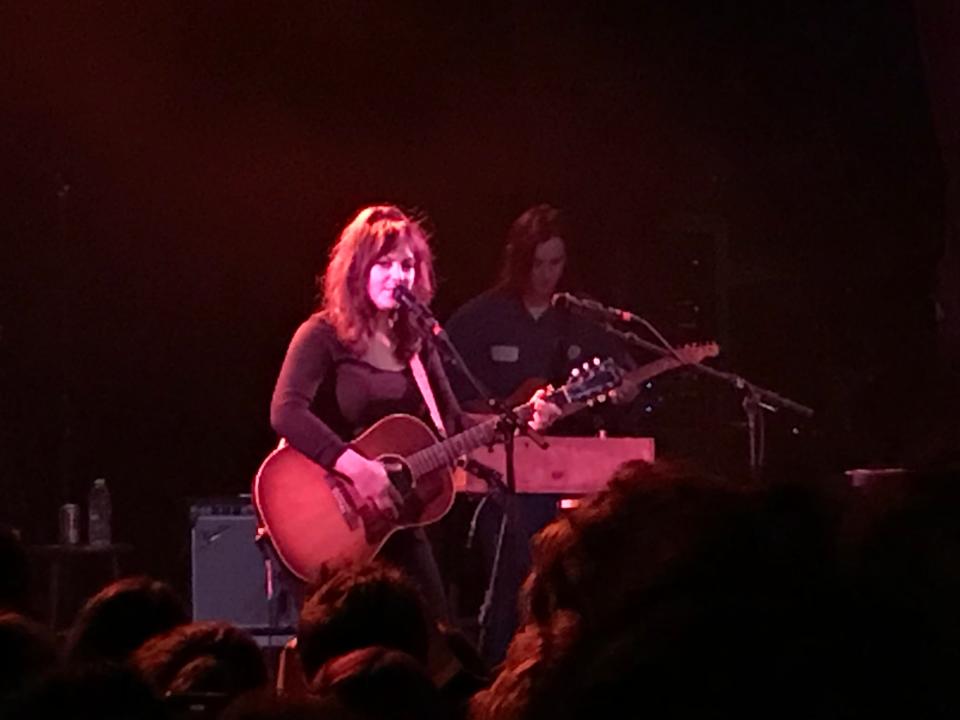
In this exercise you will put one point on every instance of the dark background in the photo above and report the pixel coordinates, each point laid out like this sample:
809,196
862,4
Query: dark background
174,173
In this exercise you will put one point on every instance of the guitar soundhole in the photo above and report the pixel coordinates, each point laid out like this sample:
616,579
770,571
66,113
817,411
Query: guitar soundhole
398,472
402,479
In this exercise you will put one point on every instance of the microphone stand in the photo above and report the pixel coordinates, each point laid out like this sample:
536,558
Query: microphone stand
508,427
756,398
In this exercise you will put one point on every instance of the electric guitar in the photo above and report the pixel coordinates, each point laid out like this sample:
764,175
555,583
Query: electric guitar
314,516
685,355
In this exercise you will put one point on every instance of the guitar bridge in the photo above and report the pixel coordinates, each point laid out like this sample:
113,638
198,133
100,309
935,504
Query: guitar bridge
346,508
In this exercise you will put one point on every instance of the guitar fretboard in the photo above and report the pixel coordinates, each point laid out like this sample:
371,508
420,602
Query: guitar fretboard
581,387
446,452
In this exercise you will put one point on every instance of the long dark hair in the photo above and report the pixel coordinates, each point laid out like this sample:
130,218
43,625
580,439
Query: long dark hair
374,231
535,226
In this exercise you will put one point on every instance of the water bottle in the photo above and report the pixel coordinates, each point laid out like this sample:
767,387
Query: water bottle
98,513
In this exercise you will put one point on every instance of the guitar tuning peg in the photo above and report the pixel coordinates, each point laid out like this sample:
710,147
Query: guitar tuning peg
601,398
596,361
575,372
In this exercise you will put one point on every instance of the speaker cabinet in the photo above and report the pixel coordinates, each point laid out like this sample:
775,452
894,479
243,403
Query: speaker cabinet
228,572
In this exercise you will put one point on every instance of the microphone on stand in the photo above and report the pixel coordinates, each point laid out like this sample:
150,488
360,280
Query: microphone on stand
427,323
418,311
606,315
591,309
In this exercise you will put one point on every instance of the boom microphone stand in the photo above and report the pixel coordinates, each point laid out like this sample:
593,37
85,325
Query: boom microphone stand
756,399
508,427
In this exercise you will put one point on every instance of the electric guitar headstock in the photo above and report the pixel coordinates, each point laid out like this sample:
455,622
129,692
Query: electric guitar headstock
696,352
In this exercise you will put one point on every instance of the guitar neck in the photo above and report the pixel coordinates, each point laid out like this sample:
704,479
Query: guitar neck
652,369
636,376
445,452
594,379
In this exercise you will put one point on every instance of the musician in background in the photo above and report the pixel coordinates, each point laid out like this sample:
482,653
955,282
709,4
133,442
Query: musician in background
513,338
349,365
511,335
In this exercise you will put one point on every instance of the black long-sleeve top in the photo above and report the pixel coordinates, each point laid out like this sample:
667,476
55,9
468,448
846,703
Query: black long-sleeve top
325,395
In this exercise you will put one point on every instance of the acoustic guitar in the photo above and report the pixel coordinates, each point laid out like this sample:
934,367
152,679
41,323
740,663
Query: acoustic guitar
314,516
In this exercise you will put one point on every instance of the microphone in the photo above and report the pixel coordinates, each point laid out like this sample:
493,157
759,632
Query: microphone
591,309
418,311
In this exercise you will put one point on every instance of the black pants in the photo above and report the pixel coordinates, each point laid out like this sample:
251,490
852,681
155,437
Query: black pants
526,514
409,550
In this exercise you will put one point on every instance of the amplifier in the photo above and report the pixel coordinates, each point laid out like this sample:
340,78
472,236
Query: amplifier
228,573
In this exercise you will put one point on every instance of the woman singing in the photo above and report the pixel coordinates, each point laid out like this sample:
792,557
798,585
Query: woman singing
349,365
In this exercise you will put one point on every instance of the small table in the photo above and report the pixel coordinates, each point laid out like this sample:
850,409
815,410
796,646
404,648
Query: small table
60,556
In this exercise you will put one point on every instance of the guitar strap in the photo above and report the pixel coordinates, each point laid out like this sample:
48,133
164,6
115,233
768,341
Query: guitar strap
420,375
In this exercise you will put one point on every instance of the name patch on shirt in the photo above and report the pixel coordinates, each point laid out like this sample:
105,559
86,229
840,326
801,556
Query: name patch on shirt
504,353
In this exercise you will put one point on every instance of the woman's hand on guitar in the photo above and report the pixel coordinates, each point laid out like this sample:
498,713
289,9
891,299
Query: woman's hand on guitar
544,413
370,479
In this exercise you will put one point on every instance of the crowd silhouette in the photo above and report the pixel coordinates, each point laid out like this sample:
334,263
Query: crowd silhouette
672,594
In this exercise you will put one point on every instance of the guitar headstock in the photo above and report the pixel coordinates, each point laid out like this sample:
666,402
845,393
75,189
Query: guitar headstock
697,352
590,382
